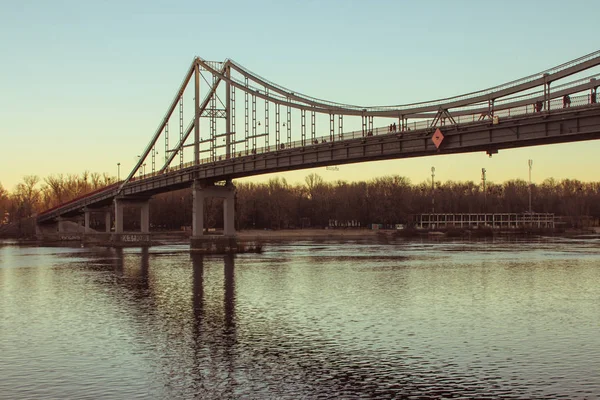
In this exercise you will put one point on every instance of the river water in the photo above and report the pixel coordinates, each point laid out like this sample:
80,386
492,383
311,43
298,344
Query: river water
304,320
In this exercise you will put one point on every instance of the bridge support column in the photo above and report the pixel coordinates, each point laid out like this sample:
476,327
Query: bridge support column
86,217
107,221
120,238
145,217
229,210
122,202
226,243
197,209
119,216
201,192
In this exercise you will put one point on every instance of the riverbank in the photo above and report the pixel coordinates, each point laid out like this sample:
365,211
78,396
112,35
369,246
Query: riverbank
257,235
307,234
285,234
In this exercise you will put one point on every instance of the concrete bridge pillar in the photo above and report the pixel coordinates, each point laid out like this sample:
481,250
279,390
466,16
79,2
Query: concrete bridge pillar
197,209
86,216
229,210
145,217
121,203
107,221
202,191
119,206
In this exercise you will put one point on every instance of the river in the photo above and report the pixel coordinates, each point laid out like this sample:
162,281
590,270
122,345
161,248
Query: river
305,320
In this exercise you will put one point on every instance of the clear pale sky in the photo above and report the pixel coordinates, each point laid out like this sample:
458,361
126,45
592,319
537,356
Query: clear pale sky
83,85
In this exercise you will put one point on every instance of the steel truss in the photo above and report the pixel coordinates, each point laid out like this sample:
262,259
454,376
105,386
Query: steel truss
226,79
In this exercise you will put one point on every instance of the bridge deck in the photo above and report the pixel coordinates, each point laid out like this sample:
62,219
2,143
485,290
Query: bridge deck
559,125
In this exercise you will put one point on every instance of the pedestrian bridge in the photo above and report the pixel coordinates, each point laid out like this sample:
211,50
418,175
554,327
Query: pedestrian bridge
242,125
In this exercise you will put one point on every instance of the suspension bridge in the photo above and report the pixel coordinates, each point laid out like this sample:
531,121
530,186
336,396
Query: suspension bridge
241,124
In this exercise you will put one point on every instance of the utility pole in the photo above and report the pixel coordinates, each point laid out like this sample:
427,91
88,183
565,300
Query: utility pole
118,172
432,190
530,162
484,191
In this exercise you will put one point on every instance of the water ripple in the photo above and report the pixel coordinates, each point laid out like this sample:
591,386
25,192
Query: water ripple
405,319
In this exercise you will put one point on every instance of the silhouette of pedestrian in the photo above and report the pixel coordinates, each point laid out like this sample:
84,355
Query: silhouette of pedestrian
538,106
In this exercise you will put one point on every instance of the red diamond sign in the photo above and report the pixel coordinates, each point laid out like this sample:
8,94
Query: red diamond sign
437,138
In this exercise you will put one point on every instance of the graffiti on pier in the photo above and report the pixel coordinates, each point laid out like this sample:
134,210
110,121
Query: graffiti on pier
69,237
134,238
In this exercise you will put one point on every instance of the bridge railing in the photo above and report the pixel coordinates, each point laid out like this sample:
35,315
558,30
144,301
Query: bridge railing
414,128
532,95
83,196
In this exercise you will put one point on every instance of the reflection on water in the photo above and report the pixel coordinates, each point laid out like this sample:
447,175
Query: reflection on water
367,319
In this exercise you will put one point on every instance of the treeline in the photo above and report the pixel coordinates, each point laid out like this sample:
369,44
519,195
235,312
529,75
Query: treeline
277,204
393,199
34,195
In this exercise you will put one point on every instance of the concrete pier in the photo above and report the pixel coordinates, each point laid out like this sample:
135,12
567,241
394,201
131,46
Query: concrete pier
143,203
201,191
199,242
79,227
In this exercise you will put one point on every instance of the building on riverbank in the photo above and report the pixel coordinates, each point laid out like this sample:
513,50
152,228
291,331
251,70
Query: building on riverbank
494,221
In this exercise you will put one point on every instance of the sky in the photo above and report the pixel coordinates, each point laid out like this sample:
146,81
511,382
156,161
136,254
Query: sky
83,85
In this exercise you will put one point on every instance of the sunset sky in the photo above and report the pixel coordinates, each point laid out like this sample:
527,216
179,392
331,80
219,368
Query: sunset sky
83,85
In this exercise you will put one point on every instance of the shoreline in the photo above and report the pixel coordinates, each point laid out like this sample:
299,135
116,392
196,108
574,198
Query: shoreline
257,235
307,234
286,234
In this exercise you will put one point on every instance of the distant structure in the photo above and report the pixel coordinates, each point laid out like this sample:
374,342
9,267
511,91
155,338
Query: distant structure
494,221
